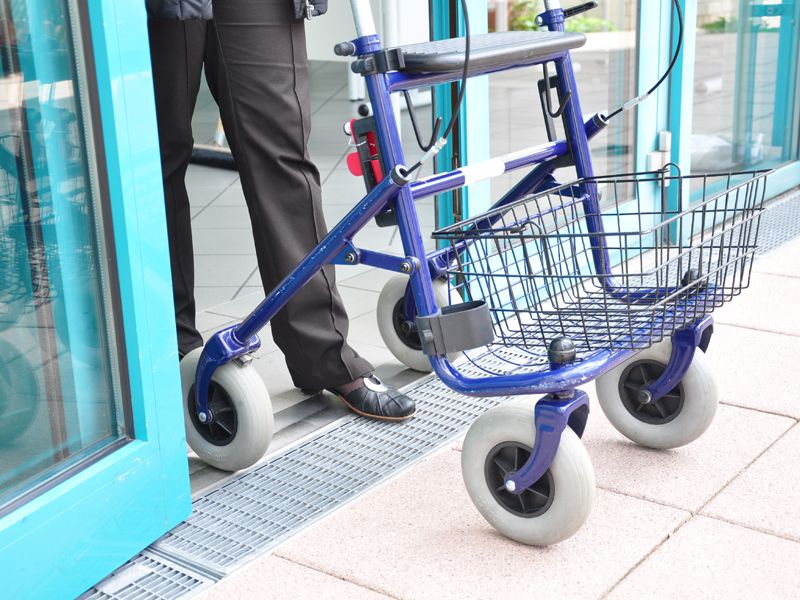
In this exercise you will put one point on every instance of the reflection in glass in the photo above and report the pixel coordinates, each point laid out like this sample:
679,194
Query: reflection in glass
606,76
745,85
60,398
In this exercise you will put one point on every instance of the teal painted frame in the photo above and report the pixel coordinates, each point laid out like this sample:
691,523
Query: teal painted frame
474,126
72,535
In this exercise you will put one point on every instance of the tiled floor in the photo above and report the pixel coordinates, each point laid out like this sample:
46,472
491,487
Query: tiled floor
718,518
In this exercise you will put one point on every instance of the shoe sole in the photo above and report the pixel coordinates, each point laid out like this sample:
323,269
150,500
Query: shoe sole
374,417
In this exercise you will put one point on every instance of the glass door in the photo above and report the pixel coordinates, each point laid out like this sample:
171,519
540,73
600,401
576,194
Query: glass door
92,458
745,85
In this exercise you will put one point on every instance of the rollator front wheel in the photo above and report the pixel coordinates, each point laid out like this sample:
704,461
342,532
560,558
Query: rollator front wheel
399,334
553,508
680,417
243,422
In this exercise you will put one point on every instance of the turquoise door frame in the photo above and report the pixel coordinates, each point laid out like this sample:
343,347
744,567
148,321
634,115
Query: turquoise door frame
472,141
70,536
680,121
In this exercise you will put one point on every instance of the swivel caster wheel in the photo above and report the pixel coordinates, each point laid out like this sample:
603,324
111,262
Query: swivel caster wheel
243,423
680,417
400,336
553,508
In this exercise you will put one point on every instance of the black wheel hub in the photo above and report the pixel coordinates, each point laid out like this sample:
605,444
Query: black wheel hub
406,330
222,430
506,458
656,412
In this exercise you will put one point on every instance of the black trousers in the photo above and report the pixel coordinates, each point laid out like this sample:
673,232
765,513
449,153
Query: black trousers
257,69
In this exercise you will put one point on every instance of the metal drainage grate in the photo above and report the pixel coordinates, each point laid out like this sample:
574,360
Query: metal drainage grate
249,515
780,224
148,577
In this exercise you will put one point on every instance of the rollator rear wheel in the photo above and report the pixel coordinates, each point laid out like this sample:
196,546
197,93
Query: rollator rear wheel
401,337
680,417
243,424
553,508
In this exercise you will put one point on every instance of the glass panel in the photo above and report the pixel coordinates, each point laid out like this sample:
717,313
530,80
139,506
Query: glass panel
745,85
60,396
606,76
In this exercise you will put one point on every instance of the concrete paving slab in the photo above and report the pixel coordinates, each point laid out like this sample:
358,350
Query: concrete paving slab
783,261
273,578
686,477
223,241
206,297
765,305
756,369
215,270
199,176
420,537
710,559
363,278
767,495
206,321
222,217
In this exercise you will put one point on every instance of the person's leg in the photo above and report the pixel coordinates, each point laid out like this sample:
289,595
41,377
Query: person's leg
259,75
177,49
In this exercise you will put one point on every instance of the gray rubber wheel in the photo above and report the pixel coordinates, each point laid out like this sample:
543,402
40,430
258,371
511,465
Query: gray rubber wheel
680,417
552,509
243,425
403,341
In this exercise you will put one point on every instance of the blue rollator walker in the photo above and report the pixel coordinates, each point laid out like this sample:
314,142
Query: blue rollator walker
556,286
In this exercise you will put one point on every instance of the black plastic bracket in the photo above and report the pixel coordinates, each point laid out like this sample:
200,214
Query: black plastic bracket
391,59
456,328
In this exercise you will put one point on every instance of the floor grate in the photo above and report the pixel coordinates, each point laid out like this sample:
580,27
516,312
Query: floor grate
148,577
780,223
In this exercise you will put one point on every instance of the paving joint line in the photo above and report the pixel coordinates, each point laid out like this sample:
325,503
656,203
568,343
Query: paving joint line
335,576
653,550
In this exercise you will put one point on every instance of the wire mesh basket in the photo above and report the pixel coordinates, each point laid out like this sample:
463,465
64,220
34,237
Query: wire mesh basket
655,268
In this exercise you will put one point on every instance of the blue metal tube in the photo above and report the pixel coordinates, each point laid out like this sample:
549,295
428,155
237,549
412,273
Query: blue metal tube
452,180
408,224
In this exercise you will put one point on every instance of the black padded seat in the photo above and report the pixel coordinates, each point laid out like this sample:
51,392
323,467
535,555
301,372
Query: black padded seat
488,51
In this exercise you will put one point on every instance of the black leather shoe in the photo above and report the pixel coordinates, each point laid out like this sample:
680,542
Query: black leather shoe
378,401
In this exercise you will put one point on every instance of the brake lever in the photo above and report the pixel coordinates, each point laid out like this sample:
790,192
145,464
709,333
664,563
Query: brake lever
581,8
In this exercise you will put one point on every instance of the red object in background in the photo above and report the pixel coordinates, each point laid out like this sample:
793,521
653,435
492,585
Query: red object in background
366,161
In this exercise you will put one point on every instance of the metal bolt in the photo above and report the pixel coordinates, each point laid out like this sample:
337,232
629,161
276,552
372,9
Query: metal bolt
406,266
203,417
350,257
645,397
511,486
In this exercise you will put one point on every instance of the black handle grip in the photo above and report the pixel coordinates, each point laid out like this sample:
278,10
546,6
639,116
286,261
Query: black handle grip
576,10
344,49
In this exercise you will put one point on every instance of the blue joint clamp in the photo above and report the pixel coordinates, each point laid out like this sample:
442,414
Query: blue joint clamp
223,347
552,416
684,343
